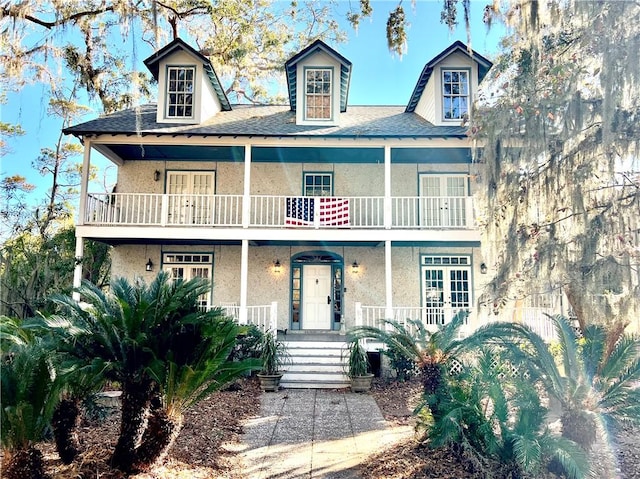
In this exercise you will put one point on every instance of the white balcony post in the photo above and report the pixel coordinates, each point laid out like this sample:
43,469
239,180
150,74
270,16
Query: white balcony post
244,266
164,210
469,221
84,185
246,197
387,187
273,317
388,281
77,272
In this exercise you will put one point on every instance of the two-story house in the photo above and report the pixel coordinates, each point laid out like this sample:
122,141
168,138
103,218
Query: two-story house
310,217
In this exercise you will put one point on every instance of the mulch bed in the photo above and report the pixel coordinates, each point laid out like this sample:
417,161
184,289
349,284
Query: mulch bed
208,444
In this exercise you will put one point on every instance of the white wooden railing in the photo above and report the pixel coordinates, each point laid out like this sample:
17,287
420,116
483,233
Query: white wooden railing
430,317
147,209
534,318
264,316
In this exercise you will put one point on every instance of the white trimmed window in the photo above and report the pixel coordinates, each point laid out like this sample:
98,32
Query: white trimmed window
446,287
187,266
455,94
180,90
318,94
318,184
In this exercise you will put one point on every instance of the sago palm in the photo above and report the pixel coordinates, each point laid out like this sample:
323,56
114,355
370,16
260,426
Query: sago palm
429,350
130,331
590,380
28,395
184,381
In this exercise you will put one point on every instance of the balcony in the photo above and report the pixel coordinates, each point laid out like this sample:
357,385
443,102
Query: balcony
355,212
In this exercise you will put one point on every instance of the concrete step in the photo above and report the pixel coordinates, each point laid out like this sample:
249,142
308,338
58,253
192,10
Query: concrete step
311,376
316,367
300,384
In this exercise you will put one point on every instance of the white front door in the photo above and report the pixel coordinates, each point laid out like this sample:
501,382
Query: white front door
190,196
316,301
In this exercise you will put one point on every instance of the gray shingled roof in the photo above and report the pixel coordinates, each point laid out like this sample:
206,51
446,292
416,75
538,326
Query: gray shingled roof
278,121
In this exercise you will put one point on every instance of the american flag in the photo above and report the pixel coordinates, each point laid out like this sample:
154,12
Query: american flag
327,211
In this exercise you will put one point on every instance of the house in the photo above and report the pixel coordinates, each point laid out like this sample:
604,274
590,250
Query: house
309,217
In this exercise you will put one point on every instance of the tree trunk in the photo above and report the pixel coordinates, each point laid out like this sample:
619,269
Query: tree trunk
25,464
160,434
580,427
66,418
135,406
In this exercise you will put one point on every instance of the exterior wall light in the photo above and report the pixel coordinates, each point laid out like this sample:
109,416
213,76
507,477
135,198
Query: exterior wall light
355,267
483,268
277,267
149,265
156,175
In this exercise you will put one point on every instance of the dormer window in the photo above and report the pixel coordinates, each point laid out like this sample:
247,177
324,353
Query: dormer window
318,94
455,90
180,90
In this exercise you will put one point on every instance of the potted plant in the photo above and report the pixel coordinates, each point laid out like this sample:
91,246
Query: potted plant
273,355
358,366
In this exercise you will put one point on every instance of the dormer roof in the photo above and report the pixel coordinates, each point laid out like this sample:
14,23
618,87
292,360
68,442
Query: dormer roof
318,46
483,67
153,64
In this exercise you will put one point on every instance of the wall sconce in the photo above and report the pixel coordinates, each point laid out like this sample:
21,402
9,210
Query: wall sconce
277,267
149,265
156,175
483,268
355,267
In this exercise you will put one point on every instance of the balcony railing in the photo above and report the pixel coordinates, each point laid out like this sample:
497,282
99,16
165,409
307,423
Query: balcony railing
430,317
146,209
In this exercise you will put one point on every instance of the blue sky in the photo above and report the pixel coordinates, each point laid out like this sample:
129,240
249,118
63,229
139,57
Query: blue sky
378,76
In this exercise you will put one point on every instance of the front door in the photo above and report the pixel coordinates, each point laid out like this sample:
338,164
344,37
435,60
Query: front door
316,301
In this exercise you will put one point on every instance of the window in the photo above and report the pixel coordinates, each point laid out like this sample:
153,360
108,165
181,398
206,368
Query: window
317,184
318,96
187,266
455,89
180,87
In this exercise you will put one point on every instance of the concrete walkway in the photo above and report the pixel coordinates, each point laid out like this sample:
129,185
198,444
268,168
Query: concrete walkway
315,433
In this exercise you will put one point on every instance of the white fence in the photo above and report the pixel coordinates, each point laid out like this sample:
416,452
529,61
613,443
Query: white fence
264,316
278,211
534,318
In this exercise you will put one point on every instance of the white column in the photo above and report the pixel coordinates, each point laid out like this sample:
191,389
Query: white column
244,275
246,198
77,272
387,280
387,187
84,182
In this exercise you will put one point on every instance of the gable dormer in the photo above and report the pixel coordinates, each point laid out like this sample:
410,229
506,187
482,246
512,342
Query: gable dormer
448,84
318,81
189,90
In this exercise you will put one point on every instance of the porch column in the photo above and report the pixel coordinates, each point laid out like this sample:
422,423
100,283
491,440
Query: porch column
246,198
84,183
387,187
387,280
244,267
77,271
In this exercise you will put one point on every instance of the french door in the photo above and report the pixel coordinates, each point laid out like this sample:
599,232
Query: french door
443,200
446,287
187,266
190,195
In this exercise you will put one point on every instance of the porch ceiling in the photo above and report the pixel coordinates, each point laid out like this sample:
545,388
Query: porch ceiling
170,152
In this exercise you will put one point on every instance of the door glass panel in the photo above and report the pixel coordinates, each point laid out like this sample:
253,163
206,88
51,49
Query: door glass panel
337,295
